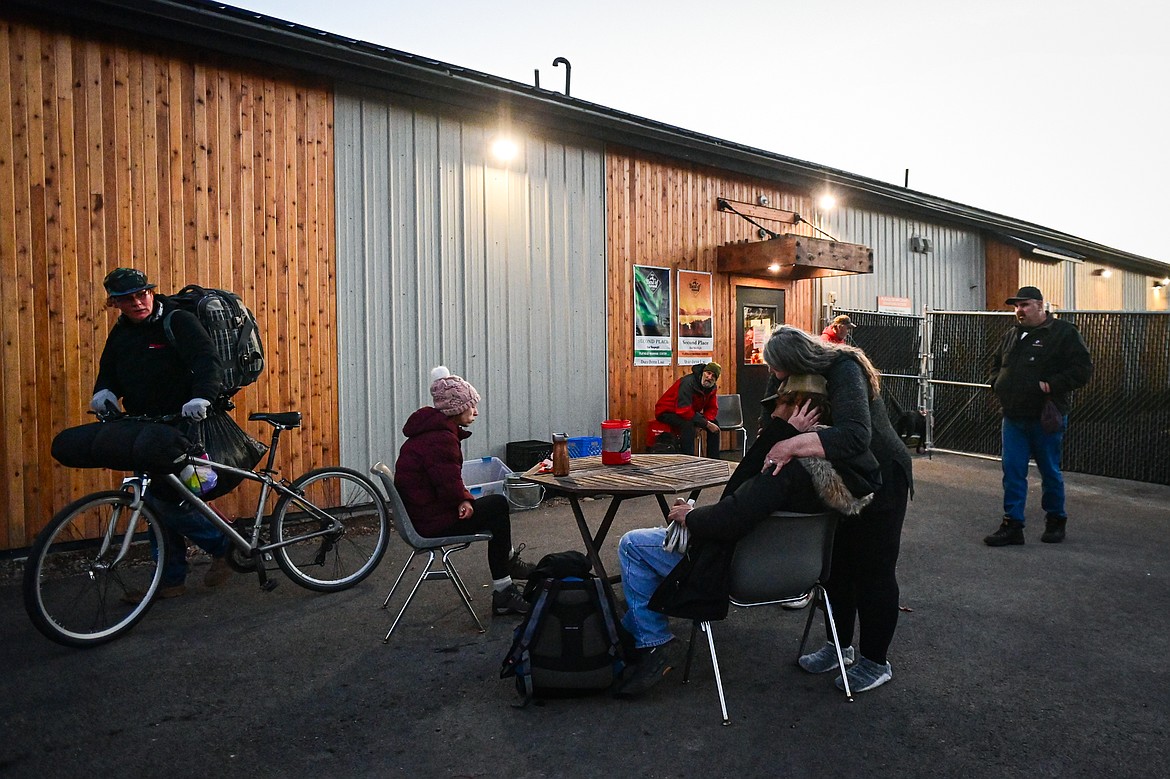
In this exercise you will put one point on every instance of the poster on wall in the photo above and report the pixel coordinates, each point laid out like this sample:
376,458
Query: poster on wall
652,307
758,323
696,336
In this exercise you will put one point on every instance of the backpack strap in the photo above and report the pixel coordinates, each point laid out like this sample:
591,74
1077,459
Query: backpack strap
607,612
520,657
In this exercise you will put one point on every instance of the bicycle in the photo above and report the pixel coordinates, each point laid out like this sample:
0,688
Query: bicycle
85,564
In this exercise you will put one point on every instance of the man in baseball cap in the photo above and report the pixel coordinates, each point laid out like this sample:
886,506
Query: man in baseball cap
838,330
1038,363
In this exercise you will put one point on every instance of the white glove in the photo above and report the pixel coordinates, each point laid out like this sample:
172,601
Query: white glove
196,408
100,400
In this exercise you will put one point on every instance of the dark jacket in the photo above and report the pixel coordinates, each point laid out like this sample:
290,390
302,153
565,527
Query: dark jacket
1053,352
139,364
687,398
429,471
861,441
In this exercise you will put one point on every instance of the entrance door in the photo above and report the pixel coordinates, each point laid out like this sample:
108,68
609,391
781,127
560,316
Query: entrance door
757,311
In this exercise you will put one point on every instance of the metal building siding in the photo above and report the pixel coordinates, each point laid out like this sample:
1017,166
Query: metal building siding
1051,278
445,257
949,277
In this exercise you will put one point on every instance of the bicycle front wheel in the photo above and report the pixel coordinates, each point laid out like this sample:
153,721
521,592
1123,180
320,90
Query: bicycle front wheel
333,532
92,572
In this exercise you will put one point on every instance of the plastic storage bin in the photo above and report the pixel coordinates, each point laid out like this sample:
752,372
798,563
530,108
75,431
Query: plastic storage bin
485,476
584,446
522,455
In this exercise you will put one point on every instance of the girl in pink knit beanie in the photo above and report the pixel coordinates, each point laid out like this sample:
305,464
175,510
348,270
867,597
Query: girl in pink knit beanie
429,476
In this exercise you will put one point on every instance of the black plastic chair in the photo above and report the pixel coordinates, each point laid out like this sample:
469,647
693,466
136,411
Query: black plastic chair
784,559
730,419
443,545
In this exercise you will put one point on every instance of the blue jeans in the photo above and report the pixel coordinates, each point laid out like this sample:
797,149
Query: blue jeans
180,520
644,565
1023,439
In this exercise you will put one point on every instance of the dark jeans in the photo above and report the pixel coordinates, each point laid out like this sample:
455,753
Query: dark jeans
863,585
686,430
491,514
179,522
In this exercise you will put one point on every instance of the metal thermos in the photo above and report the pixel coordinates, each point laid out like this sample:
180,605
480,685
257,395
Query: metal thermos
560,454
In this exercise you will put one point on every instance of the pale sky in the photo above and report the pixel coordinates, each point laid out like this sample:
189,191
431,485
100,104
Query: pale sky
1051,111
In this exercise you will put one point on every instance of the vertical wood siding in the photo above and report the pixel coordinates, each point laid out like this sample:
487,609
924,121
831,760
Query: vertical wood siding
449,257
662,212
113,155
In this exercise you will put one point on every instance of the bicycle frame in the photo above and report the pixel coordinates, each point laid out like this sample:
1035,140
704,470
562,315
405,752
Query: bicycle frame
268,486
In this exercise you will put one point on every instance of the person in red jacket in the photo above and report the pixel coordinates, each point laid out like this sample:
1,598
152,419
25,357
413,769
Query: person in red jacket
690,404
429,476
839,330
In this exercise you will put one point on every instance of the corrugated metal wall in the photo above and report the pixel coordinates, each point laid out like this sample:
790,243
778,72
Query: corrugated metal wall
950,276
446,257
1053,279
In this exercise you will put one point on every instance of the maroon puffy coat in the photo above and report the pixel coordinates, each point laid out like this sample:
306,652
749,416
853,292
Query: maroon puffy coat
429,471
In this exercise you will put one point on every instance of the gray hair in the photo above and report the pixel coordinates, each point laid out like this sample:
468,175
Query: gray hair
794,351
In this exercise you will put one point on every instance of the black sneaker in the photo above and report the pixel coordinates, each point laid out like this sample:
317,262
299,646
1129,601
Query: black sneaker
509,601
655,663
517,568
1010,532
1053,529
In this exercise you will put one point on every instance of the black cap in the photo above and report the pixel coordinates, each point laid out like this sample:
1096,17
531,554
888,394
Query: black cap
1025,293
125,281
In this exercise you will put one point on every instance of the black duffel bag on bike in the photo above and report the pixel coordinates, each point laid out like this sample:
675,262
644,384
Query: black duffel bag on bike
123,445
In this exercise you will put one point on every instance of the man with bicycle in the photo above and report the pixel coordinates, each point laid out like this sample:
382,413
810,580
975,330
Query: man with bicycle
156,377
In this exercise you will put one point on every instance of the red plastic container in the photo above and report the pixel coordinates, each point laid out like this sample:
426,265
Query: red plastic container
615,441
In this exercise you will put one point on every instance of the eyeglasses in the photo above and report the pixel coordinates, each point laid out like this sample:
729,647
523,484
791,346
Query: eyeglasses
133,297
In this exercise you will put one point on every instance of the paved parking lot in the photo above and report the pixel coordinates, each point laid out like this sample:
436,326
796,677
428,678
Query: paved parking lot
1040,660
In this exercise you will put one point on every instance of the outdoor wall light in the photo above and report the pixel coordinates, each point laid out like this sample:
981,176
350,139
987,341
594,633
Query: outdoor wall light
827,202
1103,272
504,149
1160,283
774,267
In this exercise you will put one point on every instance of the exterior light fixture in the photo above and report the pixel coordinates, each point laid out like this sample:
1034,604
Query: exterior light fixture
1103,272
1160,283
774,267
504,149
827,202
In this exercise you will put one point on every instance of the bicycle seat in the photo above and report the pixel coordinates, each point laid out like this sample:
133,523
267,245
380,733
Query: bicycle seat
285,420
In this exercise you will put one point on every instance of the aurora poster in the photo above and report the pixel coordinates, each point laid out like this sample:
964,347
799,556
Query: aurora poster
696,338
652,307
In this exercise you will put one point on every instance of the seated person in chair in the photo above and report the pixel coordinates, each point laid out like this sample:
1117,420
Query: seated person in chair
806,485
429,477
691,404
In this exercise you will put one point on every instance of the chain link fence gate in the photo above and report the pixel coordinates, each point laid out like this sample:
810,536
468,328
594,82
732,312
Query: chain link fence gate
1119,425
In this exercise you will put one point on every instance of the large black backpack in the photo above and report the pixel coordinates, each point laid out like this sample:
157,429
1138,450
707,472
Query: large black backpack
569,643
233,330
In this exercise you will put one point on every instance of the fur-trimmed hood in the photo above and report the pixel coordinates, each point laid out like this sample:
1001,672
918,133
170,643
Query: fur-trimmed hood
831,488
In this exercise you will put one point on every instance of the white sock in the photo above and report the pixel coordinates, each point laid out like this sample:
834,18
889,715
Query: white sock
499,585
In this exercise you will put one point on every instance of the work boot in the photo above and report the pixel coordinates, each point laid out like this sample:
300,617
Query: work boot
1053,529
656,662
1010,532
165,592
218,573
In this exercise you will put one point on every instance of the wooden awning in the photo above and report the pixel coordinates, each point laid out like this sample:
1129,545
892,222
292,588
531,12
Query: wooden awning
791,256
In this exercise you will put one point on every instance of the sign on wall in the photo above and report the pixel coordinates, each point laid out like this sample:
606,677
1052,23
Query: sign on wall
696,333
652,307
758,323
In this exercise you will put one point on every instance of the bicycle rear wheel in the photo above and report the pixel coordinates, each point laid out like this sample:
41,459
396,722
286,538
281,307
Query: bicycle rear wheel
348,527
85,563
